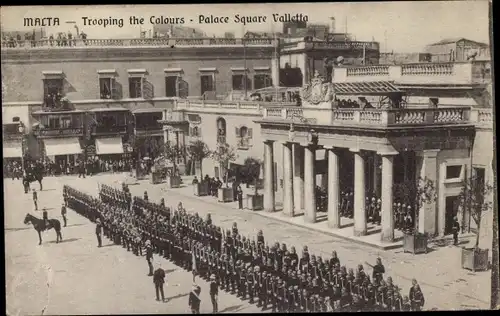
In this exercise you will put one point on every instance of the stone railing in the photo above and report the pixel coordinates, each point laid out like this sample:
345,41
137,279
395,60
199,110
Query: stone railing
401,117
368,71
133,42
427,69
54,132
483,117
246,106
346,45
419,73
283,113
371,118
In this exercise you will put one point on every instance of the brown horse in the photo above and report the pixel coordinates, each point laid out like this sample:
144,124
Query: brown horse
39,225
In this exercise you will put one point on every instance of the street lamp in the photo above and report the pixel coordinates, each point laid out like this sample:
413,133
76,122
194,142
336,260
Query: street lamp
21,130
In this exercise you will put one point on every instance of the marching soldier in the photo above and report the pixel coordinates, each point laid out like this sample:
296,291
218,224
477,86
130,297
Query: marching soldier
416,296
250,284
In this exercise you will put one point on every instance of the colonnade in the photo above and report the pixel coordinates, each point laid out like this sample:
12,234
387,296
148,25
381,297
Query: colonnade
299,184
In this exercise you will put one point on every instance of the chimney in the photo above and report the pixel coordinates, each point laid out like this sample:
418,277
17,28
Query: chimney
332,25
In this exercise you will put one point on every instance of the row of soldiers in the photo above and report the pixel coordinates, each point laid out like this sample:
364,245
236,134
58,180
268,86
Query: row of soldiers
272,276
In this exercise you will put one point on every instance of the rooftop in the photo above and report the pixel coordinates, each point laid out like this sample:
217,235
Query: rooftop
455,40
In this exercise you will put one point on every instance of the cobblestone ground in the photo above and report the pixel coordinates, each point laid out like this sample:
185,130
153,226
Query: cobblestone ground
76,277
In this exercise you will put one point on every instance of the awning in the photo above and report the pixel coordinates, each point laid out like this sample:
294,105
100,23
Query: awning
106,146
12,149
365,88
62,146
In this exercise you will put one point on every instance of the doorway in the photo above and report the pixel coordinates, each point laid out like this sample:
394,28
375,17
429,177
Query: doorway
451,212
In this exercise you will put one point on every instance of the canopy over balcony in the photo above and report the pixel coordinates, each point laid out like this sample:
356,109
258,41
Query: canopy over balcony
383,88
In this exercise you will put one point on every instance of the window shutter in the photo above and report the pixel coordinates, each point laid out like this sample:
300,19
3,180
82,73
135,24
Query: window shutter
199,131
249,134
191,131
147,89
237,132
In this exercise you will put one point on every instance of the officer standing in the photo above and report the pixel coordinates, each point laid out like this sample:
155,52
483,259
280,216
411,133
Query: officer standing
98,232
214,293
63,213
195,300
159,280
378,271
416,296
149,257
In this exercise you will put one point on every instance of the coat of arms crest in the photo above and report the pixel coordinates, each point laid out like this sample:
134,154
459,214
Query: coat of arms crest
317,91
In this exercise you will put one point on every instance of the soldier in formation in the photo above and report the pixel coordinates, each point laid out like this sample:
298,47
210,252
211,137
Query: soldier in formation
274,277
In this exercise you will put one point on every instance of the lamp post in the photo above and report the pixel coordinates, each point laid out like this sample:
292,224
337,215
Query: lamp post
21,130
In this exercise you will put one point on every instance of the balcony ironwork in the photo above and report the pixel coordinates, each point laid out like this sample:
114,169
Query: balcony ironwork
221,139
243,143
58,132
100,130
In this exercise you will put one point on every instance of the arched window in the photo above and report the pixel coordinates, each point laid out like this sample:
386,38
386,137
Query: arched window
243,131
221,126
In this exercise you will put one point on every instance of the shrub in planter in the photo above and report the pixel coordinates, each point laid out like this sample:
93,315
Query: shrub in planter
201,188
474,198
224,155
251,172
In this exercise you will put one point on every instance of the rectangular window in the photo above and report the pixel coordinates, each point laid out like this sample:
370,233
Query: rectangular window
261,81
171,89
453,172
135,87
106,88
207,83
54,122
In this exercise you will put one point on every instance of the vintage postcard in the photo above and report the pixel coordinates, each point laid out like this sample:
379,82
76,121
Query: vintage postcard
249,158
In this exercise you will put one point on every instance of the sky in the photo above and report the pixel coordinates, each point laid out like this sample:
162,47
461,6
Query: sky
399,26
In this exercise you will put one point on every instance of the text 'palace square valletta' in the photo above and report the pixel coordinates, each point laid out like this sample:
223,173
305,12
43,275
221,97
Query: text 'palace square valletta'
249,158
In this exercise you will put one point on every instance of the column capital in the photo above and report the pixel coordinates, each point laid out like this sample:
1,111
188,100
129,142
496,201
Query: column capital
431,153
268,142
332,148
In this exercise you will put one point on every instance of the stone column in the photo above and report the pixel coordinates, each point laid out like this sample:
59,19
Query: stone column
333,189
387,234
288,207
165,134
376,171
359,193
268,177
427,213
298,178
310,183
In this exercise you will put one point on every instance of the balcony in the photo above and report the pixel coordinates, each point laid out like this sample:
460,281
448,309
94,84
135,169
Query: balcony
237,107
464,73
108,130
138,42
221,139
243,143
148,130
59,132
376,118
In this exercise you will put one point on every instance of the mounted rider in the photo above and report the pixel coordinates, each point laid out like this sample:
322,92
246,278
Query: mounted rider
45,218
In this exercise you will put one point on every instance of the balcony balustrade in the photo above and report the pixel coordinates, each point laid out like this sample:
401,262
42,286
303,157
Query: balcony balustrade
136,42
59,132
221,139
103,130
375,117
346,45
421,73
243,143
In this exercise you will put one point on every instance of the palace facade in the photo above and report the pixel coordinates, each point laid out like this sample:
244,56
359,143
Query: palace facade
368,130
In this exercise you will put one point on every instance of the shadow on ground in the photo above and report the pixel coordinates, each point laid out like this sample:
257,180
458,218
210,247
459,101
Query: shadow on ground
64,240
15,229
177,296
230,309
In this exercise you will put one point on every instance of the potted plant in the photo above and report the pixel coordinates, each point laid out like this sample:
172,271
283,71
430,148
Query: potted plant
224,155
251,172
418,194
172,154
474,198
197,151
